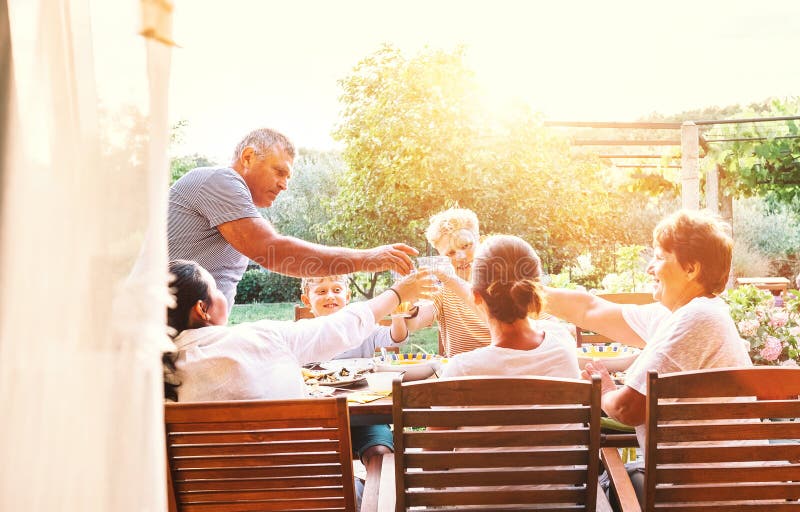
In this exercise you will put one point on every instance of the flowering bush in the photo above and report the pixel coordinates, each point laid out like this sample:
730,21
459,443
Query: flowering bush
773,332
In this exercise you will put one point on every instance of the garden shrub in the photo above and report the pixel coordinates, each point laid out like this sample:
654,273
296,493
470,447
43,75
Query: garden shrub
762,233
265,286
749,262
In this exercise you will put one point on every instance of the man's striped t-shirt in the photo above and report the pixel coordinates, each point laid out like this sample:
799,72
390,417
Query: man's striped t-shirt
200,201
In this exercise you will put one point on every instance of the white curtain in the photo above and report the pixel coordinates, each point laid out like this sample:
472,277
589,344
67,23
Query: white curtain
82,255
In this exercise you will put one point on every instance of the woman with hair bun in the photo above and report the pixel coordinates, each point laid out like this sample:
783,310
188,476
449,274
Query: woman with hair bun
506,291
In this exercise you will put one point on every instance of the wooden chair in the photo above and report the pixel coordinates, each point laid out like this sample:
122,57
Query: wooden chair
302,312
583,336
260,455
709,450
490,443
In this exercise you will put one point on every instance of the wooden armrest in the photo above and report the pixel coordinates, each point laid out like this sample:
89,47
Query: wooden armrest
620,482
618,440
379,488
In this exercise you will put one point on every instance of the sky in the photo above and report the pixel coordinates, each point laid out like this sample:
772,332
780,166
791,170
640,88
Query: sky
244,64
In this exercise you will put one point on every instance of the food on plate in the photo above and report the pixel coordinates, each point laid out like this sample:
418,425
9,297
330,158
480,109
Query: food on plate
327,377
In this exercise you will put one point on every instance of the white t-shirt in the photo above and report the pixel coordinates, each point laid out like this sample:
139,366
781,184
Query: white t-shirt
698,335
261,360
554,357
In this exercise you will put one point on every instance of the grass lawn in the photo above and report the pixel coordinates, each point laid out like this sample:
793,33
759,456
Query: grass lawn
426,338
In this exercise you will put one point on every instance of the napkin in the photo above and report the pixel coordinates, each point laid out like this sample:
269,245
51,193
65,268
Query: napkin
363,397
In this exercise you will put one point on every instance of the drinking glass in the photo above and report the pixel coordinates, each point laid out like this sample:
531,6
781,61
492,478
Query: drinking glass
437,263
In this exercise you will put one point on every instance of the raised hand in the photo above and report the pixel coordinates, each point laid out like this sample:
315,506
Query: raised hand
395,257
420,285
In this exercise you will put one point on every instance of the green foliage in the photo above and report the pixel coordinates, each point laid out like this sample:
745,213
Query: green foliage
774,233
254,312
405,128
630,275
769,167
418,139
562,280
748,261
264,286
765,232
179,166
773,333
302,210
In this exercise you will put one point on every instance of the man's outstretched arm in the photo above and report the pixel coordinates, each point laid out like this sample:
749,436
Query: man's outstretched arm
258,240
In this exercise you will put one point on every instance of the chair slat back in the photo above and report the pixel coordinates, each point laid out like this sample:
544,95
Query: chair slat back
302,312
726,439
496,442
260,455
619,298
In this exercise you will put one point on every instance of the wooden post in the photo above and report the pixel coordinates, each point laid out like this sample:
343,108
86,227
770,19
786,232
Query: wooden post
690,155
712,189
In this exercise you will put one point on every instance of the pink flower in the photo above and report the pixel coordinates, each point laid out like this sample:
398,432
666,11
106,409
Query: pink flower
748,327
772,349
795,331
779,318
789,362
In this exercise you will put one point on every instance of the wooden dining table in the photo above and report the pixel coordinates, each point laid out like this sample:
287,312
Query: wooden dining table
379,412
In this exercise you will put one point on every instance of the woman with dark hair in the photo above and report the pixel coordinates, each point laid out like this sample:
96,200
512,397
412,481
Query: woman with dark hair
506,293
261,360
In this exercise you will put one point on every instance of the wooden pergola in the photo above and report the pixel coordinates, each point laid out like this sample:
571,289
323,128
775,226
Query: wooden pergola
685,135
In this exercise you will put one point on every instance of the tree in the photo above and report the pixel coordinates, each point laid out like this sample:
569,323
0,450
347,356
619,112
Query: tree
406,128
303,209
180,165
418,139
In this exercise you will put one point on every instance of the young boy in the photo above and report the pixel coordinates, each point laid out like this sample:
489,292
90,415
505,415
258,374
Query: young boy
327,295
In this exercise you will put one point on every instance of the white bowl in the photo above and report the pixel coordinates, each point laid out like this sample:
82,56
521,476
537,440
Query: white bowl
414,366
381,382
616,357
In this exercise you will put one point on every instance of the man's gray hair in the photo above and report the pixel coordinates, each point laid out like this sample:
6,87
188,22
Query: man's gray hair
262,140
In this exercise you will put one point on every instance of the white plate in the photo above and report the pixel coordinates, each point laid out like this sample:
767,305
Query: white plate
343,382
332,377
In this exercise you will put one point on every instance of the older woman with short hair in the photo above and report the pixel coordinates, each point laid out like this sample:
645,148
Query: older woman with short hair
688,328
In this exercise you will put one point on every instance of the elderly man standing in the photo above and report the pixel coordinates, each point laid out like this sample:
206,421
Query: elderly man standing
213,219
